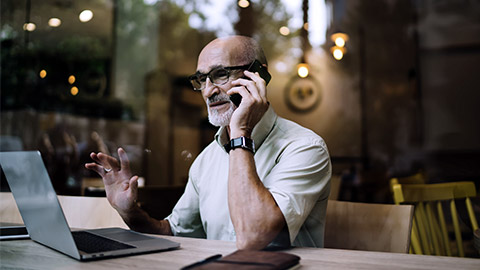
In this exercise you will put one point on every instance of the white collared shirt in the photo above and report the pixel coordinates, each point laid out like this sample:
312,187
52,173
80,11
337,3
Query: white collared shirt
292,162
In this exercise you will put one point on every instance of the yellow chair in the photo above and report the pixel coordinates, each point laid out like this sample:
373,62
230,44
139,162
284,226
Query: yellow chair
429,234
368,226
418,178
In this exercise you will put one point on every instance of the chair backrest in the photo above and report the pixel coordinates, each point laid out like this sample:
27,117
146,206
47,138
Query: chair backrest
335,186
418,178
430,222
366,226
80,212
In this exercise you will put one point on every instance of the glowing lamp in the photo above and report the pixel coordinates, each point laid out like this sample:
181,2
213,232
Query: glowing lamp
302,70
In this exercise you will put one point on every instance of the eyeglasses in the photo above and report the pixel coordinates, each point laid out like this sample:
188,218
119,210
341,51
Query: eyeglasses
218,76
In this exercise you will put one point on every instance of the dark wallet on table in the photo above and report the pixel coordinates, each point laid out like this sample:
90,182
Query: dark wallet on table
247,259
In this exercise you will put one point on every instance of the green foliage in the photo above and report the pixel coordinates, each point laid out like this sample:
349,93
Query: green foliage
270,15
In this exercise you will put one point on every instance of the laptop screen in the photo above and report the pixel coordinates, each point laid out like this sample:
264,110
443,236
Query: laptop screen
37,201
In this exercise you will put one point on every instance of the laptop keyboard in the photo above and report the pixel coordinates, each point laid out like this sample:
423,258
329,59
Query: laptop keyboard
91,243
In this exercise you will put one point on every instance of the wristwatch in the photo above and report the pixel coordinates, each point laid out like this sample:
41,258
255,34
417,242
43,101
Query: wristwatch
240,142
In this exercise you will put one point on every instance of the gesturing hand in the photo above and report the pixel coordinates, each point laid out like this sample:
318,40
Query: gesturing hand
120,185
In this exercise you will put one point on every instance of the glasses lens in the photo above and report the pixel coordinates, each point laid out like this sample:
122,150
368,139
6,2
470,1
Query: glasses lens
198,81
219,76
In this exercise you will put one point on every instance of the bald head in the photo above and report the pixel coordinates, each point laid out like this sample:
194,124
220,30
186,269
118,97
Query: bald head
230,51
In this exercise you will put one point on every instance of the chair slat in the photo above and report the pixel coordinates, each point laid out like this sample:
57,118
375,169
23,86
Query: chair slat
443,226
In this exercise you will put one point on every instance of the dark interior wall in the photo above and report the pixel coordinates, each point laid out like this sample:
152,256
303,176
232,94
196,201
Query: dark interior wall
380,66
417,62
449,46
451,96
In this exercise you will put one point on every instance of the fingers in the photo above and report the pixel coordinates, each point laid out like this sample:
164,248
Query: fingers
96,168
101,158
124,162
249,95
108,162
133,182
259,81
254,87
94,157
105,163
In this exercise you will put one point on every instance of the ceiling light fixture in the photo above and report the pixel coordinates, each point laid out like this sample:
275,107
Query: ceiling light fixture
285,31
30,27
54,22
85,15
243,3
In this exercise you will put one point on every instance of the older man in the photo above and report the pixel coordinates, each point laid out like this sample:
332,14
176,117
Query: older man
263,181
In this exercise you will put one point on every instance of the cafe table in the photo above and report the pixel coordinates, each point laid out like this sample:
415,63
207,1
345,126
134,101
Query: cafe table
27,254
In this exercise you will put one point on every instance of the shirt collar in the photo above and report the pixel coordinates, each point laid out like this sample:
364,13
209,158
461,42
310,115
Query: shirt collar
259,133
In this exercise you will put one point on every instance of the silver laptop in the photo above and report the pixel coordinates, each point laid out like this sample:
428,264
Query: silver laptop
46,224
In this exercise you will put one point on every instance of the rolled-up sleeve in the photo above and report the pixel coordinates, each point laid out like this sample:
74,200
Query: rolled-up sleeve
185,217
298,180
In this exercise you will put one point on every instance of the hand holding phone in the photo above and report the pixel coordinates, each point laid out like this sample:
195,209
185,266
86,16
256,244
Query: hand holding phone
262,71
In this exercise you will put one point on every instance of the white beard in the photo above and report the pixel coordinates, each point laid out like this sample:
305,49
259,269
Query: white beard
220,119
216,118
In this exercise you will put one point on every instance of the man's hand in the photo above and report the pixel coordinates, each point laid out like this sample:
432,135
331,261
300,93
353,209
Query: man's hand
253,106
121,189
120,186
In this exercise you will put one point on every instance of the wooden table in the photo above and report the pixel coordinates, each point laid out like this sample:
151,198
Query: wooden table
26,254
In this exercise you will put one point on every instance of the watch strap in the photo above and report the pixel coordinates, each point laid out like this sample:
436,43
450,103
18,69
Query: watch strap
240,142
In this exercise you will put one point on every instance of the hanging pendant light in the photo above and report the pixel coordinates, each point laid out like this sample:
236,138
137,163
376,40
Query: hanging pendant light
338,50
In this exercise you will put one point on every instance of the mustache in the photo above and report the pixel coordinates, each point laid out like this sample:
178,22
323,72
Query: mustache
218,98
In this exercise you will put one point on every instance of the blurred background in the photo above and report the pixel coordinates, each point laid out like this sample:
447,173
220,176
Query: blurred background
391,85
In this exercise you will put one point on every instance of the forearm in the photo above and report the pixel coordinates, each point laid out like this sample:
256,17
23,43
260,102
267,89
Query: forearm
139,220
255,216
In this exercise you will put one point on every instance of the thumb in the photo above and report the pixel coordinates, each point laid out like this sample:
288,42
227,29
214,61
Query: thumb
133,182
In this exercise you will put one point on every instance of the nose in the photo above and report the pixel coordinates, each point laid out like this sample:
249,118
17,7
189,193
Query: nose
210,88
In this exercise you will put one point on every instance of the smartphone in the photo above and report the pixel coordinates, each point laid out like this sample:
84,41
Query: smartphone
262,71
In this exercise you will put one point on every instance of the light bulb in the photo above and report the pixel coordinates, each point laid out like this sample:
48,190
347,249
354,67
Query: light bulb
54,22
243,3
71,79
337,54
340,42
74,91
85,15
284,30
302,70
30,27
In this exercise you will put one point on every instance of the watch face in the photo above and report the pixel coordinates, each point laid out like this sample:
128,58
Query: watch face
302,94
240,142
